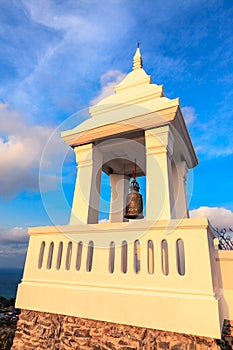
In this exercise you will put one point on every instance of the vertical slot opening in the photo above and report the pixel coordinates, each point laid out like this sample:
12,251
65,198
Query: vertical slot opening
41,255
180,257
111,257
165,263
79,256
68,255
90,252
59,255
50,256
137,257
150,257
124,256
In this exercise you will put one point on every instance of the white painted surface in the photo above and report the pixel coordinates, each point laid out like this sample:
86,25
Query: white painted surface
187,304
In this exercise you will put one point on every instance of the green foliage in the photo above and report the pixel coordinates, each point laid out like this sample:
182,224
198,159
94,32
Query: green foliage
4,303
225,237
7,326
6,337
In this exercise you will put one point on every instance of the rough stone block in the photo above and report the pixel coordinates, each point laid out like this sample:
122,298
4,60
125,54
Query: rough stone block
38,330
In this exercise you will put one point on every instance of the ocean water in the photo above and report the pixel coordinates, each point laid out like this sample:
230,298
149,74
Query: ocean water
9,279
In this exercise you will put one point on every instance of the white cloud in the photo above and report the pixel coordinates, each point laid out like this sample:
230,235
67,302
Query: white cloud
13,246
82,15
15,235
104,221
189,114
219,217
48,14
73,41
108,81
21,146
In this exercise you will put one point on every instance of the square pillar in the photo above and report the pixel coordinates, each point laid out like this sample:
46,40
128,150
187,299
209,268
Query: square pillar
159,183
180,170
120,187
86,201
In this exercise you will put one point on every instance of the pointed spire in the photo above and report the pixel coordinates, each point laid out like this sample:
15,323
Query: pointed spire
137,60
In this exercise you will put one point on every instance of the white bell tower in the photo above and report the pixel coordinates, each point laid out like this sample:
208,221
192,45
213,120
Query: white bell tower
159,272
137,121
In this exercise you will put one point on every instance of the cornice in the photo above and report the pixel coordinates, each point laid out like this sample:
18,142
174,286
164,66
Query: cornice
144,121
109,228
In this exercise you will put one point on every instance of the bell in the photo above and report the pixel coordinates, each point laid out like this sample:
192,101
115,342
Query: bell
134,206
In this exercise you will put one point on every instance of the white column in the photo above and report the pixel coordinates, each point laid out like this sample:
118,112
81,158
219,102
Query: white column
120,187
85,208
181,170
159,184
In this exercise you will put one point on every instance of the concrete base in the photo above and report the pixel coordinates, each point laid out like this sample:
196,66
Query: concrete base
145,308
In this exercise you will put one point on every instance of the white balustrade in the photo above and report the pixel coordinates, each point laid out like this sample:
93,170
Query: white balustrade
164,268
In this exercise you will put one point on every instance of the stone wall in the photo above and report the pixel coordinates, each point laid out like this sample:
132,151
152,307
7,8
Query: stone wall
40,330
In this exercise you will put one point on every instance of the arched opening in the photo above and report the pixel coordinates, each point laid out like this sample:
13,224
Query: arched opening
50,256
79,256
59,255
68,255
137,256
164,255
150,257
124,256
90,253
117,168
111,257
41,255
180,257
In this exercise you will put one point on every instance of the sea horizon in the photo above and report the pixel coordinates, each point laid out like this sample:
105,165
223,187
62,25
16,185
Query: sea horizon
10,277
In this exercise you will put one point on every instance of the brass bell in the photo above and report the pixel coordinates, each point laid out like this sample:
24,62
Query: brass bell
134,206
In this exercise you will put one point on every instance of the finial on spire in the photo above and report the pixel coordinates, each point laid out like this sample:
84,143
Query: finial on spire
137,60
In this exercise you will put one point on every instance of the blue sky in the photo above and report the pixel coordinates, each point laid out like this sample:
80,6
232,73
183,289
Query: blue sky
57,57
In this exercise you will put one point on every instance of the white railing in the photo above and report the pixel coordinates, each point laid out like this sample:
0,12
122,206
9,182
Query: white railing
110,268
54,257
152,259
